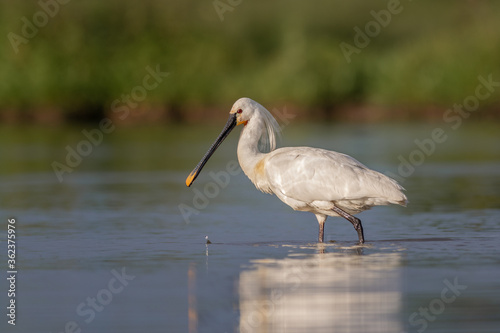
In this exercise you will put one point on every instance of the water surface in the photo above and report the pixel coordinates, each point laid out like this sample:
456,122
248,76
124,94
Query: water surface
432,266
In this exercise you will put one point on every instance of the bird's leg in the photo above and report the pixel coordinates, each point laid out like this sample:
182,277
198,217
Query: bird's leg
321,220
354,220
321,235
359,228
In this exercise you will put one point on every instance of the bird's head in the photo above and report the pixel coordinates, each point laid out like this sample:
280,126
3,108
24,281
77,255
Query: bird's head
243,109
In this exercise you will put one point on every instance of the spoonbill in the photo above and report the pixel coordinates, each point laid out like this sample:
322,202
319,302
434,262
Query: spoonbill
323,182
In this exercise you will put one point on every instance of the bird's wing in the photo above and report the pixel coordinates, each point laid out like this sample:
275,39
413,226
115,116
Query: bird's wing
311,174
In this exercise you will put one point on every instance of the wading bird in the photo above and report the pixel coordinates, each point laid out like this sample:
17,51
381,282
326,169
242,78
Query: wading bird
314,180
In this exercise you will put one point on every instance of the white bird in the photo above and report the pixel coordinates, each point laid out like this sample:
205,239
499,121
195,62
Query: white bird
314,180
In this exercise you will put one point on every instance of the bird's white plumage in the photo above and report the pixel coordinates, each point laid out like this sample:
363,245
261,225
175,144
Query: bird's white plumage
308,179
317,177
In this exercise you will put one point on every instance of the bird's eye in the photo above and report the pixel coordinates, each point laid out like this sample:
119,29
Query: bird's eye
239,111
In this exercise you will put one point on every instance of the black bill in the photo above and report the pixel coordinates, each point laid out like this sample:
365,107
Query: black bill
231,123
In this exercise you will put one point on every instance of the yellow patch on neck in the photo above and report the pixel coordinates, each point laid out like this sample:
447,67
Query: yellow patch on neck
259,168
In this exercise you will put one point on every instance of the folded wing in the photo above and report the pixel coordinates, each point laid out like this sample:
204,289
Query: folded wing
312,174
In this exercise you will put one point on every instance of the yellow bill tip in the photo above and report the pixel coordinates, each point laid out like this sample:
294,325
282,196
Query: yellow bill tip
190,178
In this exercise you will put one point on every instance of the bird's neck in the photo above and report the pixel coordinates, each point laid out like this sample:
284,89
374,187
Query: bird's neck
248,147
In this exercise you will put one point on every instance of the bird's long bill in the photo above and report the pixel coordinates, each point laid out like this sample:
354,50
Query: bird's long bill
231,123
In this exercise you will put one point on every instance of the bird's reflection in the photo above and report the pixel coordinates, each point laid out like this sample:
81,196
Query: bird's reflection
326,292
357,249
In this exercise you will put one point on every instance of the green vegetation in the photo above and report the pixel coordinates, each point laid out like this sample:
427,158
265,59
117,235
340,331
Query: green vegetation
91,52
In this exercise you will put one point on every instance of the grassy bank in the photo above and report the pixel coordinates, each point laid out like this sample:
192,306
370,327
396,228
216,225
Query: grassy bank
91,53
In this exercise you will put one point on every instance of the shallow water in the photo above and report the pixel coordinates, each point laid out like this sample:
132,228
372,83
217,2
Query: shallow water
108,250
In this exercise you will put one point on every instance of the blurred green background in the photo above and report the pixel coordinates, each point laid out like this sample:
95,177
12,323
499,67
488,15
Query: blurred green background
82,56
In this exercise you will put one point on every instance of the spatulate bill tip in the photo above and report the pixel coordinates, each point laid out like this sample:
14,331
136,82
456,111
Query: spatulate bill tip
190,178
